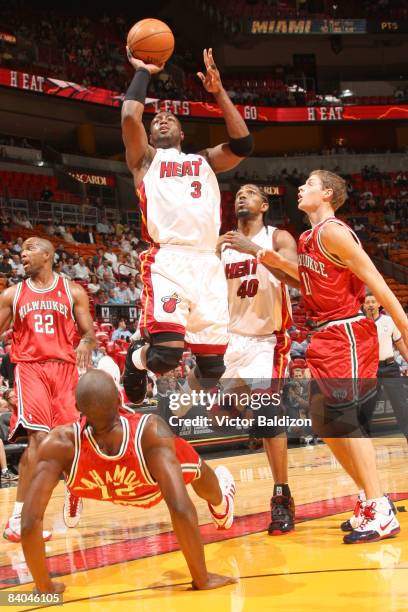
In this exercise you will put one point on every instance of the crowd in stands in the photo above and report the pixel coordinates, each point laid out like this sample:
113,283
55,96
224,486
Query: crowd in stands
232,15
90,52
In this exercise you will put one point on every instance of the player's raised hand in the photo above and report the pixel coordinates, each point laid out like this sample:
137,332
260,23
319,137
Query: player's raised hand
212,79
138,63
215,581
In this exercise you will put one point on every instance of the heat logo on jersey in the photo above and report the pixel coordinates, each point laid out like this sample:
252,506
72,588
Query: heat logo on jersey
241,268
186,168
170,302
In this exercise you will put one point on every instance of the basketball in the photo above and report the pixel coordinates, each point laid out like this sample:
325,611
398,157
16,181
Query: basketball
151,40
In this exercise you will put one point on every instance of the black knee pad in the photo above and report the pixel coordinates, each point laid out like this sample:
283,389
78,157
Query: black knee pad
209,369
160,359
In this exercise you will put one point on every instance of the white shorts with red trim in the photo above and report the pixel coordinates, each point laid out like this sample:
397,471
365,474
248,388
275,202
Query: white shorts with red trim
257,360
185,291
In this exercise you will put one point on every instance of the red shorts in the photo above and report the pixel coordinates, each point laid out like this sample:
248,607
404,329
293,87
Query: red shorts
346,352
45,396
189,459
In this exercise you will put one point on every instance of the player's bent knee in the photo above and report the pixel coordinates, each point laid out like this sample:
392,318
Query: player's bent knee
160,359
209,369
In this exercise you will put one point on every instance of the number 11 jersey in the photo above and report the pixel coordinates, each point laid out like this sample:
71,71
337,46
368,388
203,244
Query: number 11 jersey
44,326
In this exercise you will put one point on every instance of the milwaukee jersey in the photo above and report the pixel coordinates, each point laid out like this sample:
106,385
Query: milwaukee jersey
330,290
44,326
180,201
258,302
123,478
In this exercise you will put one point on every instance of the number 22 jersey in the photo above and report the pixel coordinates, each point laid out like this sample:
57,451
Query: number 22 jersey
44,326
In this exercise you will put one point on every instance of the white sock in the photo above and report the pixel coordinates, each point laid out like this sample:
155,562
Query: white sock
137,360
18,507
222,507
362,495
379,501
4,470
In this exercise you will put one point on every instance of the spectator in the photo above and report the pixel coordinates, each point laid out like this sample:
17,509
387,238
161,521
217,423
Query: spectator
16,264
121,332
93,285
112,257
133,292
100,297
82,271
97,355
46,194
122,292
5,267
69,268
13,278
113,298
105,270
107,283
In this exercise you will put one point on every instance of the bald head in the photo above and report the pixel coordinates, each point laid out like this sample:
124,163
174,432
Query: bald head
97,397
42,244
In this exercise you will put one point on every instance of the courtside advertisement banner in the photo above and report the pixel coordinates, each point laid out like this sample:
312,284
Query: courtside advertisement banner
184,108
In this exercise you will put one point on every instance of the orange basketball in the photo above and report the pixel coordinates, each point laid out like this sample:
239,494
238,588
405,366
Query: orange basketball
151,40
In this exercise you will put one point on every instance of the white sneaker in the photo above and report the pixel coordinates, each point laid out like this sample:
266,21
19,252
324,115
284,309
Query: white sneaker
356,519
72,509
12,531
379,522
227,486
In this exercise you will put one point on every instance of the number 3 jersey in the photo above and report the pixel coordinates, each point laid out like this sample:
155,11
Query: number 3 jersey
258,302
180,201
44,326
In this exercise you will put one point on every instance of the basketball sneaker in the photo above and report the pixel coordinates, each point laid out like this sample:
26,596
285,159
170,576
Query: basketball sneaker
134,380
227,486
12,531
355,521
8,476
379,522
282,515
72,509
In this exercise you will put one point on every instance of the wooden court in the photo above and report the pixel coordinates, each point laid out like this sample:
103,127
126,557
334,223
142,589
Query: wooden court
121,558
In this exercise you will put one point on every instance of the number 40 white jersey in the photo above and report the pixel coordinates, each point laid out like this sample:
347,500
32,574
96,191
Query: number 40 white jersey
180,201
259,303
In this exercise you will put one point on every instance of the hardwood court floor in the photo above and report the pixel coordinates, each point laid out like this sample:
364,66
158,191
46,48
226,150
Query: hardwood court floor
123,558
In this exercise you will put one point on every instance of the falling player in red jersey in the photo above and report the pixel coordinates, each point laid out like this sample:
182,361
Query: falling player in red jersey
333,270
128,459
45,311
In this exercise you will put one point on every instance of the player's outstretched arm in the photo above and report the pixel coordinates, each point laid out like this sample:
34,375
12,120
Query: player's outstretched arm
225,156
85,326
138,151
55,455
6,307
159,452
339,241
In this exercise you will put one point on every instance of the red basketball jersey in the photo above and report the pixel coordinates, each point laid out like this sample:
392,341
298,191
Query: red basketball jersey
123,478
44,326
330,290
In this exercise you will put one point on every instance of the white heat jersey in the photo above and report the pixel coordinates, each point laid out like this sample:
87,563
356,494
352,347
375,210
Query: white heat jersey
259,303
180,201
